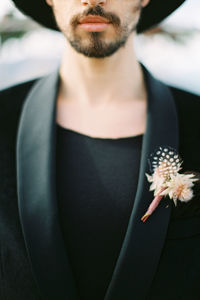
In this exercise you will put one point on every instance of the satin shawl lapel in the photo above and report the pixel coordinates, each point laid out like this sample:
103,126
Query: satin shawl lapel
37,192
143,243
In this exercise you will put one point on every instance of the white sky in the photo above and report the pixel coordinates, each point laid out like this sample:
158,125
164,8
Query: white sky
5,5
186,16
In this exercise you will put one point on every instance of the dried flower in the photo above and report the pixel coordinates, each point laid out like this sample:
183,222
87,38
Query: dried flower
166,179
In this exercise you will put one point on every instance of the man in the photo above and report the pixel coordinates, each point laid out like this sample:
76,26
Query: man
74,152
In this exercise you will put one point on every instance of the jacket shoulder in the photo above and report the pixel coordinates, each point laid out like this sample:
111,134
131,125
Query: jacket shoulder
15,94
186,102
188,109
188,112
11,102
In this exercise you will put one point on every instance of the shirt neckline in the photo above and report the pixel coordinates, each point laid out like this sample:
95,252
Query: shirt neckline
69,130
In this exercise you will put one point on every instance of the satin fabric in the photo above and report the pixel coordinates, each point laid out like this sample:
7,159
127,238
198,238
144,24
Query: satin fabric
143,243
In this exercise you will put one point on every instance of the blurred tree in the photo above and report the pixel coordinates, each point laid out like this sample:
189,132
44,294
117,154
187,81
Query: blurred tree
12,27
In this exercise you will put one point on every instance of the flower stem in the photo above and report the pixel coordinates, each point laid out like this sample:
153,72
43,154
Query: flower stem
152,207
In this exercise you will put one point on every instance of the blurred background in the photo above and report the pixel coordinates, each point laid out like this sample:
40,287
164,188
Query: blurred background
171,51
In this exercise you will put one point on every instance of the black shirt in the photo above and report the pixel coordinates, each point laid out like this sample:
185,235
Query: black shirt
96,186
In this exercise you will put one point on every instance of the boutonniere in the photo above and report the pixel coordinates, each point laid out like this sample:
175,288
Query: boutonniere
165,164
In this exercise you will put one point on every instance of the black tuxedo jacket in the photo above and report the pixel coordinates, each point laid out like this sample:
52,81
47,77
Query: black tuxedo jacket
159,259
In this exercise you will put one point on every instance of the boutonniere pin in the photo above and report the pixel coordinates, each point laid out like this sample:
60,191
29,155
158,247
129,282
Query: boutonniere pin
165,164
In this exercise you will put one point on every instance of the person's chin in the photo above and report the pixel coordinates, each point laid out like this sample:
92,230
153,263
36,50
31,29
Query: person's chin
93,52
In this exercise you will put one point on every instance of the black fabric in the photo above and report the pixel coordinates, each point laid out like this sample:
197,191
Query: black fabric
96,186
36,182
16,278
37,201
177,276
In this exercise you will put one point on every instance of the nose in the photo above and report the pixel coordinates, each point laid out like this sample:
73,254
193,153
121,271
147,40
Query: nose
93,2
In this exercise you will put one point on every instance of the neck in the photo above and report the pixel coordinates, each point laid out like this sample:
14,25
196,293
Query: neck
96,81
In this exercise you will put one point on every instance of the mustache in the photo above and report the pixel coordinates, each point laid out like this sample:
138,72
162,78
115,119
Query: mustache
96,11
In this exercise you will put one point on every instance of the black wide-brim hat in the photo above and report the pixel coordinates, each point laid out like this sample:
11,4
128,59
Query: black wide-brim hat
153,13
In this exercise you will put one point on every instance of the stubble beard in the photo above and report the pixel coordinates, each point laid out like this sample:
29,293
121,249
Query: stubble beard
96,47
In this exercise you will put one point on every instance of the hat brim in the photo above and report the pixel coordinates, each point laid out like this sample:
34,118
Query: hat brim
153,13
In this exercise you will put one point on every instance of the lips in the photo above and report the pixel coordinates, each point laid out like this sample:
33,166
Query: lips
94,23
93,19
